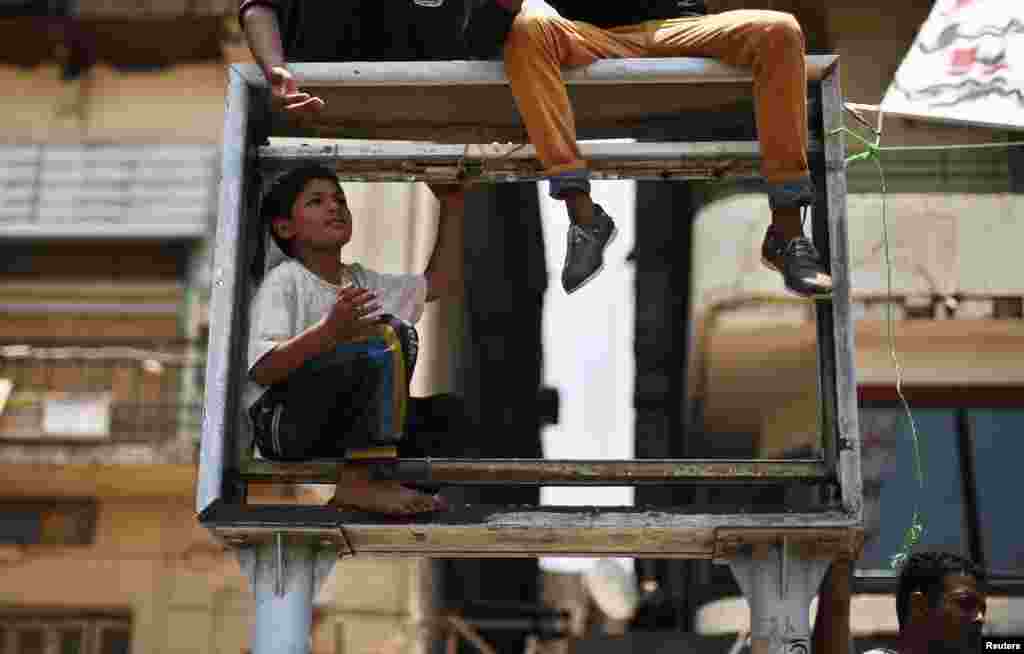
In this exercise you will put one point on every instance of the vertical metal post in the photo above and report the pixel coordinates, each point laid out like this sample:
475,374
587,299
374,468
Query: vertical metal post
847,428
226,296
825,329
285,576
779,589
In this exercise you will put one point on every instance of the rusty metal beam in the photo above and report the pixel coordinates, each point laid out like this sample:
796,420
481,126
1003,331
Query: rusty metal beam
487,531
540,472
404,161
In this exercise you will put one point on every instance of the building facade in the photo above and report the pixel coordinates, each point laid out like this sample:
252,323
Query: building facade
109,163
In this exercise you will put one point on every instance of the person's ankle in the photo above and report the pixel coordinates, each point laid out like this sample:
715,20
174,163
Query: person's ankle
580,207
787,223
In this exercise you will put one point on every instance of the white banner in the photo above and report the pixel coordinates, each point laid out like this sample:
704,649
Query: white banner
965,66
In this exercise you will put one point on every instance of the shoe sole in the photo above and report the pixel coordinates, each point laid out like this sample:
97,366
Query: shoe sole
813,296
597,271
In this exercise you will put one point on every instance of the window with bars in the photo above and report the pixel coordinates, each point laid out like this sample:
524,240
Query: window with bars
65,633
970,448
47,522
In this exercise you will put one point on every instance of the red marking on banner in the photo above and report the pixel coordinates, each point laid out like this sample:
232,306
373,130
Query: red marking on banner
957,6
961,60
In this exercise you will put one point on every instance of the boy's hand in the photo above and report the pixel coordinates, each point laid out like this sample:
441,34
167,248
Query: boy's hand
285,94
351,313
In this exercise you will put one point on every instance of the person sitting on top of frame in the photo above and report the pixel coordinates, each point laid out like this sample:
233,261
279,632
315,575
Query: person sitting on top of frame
332,346
540,41
539,38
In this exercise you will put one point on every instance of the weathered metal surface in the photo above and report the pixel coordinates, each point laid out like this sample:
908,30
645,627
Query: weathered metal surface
396,161
285,577
226,295
327,151
801,543
379,161
482,531
609,94
659,71
470,101
557,472
778,588
846,430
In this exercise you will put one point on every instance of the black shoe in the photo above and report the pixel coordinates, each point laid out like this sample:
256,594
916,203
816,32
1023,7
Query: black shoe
799,262
584,255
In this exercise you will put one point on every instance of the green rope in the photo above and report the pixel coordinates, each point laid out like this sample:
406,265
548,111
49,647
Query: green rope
912,536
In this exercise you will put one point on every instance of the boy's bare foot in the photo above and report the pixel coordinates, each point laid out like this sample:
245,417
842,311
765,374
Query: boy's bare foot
357,492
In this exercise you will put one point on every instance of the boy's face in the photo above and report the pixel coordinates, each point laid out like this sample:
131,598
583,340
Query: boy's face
320,218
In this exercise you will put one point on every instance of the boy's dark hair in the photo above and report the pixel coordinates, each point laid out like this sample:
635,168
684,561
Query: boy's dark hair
279,199
924,572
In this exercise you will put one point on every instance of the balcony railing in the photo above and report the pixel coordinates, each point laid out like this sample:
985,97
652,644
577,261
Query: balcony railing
100,392
106,190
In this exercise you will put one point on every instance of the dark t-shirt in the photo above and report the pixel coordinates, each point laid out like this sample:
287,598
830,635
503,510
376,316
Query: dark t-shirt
401,30
367,30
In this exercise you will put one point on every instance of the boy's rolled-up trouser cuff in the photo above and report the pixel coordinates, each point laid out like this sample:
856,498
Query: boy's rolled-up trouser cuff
792,194
571,180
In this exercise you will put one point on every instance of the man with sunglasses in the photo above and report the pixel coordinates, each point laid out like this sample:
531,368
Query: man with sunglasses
940,604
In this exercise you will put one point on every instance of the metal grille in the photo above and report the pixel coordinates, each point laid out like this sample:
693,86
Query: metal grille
124,189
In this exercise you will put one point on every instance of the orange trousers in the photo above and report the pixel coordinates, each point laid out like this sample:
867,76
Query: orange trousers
771,43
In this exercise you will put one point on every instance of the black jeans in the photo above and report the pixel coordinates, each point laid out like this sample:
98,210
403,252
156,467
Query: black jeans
355,396
435,426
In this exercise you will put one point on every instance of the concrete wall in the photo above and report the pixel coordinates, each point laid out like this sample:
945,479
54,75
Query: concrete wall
181,104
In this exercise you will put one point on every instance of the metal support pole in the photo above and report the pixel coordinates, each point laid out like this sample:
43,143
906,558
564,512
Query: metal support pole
285,576
779,588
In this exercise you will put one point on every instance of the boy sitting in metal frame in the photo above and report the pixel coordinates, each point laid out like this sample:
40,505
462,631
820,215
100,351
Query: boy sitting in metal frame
332,345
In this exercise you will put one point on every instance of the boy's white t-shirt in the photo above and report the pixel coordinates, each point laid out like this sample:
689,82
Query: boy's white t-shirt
292,298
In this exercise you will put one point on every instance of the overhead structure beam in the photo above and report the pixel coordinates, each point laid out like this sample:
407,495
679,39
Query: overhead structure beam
641,70
418,161
471,101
